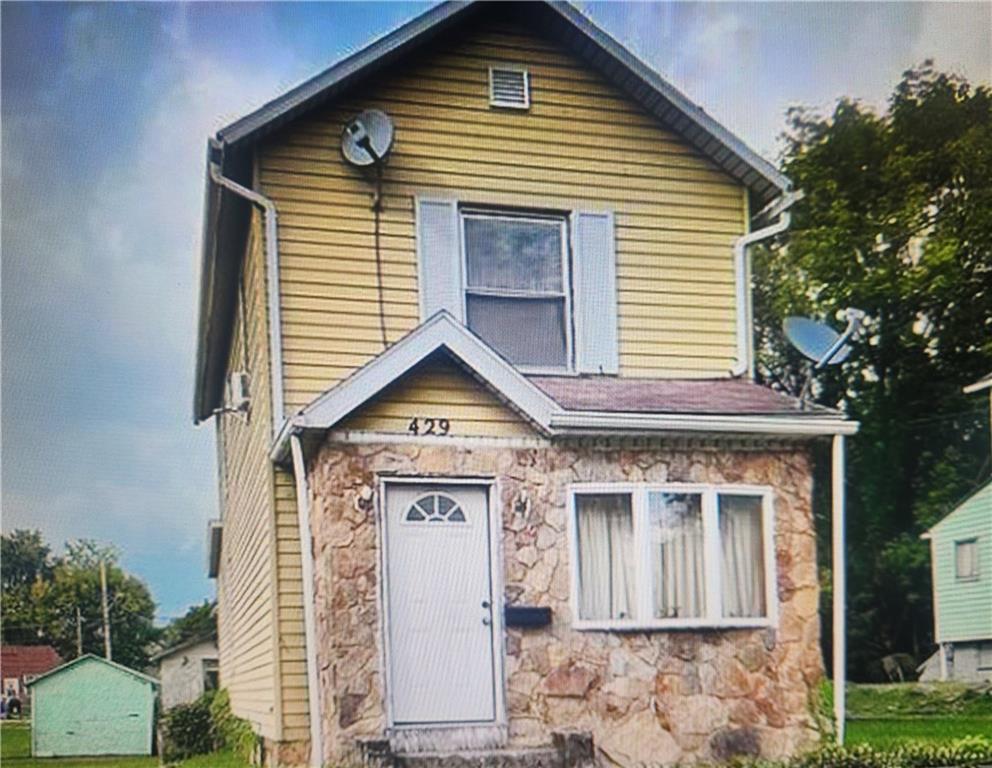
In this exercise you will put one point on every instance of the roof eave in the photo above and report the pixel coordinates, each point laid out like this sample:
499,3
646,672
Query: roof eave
735,157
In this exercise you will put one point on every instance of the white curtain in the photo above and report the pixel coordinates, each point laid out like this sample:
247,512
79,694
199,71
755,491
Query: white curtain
606,556
743,556
677,544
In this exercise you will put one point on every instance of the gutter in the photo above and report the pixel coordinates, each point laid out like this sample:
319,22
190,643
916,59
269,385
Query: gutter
597,421
742,279
309,621
271,220
576,423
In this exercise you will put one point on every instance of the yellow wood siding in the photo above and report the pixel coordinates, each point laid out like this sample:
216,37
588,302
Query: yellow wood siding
581,145
292,637
246,598
439,390
262,651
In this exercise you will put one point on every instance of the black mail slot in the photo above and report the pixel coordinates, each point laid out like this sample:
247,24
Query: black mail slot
527,616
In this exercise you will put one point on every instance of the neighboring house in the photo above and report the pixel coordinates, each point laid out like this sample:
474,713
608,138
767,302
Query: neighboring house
187,670
92,706
961,565
20,664
553,499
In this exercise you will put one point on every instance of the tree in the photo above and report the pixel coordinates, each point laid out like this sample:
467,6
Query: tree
24,559
46,600
199,621
896,220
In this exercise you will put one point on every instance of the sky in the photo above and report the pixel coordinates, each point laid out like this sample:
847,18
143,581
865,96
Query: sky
105,110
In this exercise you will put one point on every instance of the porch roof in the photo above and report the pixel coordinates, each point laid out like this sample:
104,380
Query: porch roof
558,406
724,396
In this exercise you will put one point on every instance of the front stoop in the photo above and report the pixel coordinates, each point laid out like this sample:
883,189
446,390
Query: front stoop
567,750
488,758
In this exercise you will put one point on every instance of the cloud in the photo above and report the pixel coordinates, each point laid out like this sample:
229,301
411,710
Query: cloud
99,289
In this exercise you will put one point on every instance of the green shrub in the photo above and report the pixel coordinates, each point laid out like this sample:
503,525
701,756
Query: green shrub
187,729
231,732
963,753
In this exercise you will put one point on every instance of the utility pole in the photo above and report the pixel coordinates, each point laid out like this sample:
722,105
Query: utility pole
79,633
106,610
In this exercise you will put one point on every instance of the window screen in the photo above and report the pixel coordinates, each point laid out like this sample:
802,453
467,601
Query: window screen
516,287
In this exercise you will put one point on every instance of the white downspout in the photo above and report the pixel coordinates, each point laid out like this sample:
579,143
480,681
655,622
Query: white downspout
742,279
309,622
839,587
271,220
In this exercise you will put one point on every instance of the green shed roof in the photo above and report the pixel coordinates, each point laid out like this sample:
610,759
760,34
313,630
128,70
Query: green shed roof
84,657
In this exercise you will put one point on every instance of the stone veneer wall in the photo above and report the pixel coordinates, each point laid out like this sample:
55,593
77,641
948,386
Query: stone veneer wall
656,697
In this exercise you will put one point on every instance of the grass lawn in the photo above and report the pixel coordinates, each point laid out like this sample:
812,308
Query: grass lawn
891,732
15,752
890,715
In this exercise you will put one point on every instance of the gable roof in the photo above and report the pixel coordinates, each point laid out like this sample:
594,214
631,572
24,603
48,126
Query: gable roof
210,637
20,660
226,216
440,333
93,657
981,496
571,28
573,405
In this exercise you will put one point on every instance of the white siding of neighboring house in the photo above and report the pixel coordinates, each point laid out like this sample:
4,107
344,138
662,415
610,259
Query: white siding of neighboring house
182,673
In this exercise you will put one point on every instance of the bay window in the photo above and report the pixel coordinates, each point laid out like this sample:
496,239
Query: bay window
672,556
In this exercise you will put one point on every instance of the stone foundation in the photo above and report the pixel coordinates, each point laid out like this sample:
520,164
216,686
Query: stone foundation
646,697
285,754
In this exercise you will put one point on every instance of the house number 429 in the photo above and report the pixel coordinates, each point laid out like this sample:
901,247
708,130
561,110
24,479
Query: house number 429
424,426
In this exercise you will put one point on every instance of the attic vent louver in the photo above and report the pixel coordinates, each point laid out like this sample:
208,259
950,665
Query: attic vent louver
509,86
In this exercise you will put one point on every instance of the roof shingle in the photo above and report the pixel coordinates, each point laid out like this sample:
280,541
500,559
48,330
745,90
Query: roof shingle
679,396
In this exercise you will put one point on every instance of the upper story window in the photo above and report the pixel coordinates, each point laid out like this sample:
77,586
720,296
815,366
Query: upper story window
539,288
672,556
517,286
966,559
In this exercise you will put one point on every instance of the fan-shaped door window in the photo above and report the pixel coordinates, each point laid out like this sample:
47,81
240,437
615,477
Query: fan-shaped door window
435,508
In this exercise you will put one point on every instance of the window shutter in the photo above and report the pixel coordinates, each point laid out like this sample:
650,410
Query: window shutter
594,275
439,263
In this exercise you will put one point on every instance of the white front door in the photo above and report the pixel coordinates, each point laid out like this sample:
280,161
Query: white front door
440,617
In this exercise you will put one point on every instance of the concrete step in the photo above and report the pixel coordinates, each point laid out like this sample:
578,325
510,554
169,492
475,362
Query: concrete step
489,758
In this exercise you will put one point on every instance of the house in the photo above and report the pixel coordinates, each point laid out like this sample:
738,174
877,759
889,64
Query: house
493,466
20,664
92,706
961,564
187,670
961,567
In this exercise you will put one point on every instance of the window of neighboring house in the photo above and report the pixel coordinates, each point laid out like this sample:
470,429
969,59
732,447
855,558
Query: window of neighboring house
517,296
966,559
211,675
985,655
672,556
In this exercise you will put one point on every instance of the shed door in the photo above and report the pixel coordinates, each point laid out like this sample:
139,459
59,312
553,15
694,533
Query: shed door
441,665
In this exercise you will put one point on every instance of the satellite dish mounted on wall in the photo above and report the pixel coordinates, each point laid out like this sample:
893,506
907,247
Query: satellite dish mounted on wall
367,139
365,144
821,343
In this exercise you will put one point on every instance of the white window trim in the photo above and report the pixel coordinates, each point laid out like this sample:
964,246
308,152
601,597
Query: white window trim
711,536
467,211
977,574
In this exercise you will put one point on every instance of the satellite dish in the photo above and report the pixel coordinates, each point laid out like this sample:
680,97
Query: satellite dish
821,343
367,139
815,340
